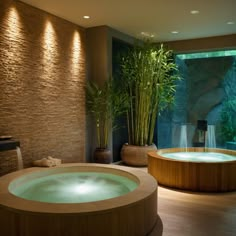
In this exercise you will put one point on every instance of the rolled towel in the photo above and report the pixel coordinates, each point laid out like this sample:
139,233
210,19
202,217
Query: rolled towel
44,162
54,160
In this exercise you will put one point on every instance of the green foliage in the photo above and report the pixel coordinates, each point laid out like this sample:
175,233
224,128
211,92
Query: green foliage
149,78
228,119
104,104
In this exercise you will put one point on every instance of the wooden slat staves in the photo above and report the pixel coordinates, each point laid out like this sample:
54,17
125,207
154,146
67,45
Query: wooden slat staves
194,176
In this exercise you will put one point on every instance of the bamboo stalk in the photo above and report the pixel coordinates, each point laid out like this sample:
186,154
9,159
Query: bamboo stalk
151,89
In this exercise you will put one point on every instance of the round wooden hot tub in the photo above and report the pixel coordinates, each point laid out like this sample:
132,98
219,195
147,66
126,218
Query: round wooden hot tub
202,175
133,214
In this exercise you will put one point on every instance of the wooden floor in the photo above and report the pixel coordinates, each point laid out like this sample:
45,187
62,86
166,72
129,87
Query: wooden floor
195,214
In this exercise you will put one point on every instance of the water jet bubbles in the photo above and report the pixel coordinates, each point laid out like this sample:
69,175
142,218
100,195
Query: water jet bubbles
76,187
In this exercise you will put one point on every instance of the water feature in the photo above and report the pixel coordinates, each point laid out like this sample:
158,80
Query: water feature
19,159
211,137
183,137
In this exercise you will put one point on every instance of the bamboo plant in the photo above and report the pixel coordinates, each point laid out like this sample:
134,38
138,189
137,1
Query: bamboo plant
149,75
105,104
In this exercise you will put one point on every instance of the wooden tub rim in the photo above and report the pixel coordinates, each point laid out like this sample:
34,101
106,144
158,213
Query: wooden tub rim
147,186
158,153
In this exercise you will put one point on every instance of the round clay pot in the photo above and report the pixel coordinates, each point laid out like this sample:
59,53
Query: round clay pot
136,155
102,155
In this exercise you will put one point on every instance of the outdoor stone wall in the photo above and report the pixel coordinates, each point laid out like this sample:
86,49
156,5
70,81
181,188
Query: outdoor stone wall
201,95
42,77
206,76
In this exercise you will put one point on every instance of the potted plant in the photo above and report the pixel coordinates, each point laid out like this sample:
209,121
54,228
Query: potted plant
149,79
104,103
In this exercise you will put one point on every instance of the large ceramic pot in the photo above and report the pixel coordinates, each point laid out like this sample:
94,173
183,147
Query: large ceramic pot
136,155
102,155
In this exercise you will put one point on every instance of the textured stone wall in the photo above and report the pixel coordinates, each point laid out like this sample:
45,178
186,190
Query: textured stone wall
201,95
42,76
205,76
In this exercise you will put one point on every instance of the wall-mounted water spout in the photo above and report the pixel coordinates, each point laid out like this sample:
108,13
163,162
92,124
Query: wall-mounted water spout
12,144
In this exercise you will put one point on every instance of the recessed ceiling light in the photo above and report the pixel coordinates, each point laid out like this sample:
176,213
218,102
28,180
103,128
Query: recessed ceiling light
174,32
194,12
86,17
230,23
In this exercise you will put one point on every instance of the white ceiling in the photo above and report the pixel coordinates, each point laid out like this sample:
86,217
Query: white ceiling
158,17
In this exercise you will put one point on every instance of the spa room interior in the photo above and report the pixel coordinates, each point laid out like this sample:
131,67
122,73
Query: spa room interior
117,118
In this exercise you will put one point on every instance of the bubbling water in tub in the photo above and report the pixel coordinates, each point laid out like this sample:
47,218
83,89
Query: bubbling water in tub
75,187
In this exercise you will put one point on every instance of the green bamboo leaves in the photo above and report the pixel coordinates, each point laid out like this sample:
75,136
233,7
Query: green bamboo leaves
149,76
104,104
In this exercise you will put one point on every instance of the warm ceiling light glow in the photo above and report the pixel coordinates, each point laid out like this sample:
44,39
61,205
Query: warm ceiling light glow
86,17
230,23
76,49
50,49
49,60
14,24
174,32
194,12
49,35
14,16
76,41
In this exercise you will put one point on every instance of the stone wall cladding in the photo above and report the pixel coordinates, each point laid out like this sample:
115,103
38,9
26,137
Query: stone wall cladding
42,77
